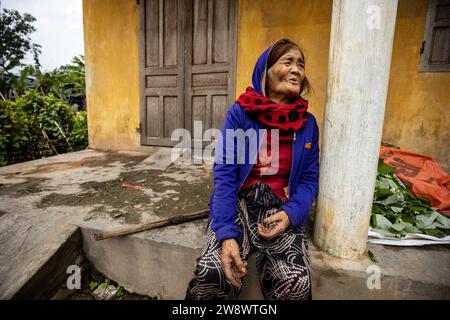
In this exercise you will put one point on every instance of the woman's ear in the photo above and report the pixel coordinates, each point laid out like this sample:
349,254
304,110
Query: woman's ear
268,75
265,83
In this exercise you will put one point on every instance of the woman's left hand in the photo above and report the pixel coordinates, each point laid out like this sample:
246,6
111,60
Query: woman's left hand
278,223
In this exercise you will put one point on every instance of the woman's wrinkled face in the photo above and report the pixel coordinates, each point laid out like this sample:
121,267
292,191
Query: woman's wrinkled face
286,75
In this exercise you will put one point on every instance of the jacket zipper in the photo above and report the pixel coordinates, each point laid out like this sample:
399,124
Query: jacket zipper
259,148
292,165
294,137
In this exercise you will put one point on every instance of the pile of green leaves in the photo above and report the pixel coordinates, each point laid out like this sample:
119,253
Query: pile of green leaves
37,125
397,212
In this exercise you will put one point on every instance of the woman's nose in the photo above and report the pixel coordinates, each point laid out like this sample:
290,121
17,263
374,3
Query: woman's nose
295,69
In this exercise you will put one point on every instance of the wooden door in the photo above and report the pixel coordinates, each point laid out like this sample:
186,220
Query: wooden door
187,65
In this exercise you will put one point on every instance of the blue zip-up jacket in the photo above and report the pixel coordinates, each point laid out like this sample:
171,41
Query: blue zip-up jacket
229,177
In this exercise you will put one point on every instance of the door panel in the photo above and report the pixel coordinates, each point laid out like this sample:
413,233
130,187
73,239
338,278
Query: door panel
152,29
170,35
210,38
187,51
221,12
219,109
200,31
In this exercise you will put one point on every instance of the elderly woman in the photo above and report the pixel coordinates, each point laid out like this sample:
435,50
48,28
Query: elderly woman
253,210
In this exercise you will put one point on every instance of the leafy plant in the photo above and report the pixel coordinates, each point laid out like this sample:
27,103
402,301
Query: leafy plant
372,256
38,111
15,133
119,292
93,285
14,85
66,82
37,125
15,30
397,212
106,283
79,133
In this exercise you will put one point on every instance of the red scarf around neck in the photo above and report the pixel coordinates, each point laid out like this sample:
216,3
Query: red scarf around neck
289,118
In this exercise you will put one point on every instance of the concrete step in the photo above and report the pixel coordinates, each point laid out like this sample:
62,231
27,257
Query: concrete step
163,260
44,278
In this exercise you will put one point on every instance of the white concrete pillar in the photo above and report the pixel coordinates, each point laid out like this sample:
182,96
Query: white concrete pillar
361,40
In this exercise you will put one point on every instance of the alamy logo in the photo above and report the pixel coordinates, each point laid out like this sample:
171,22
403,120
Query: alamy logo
374,280
74,280
374,19
236,146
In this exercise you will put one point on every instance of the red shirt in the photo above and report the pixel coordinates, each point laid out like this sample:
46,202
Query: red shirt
278,178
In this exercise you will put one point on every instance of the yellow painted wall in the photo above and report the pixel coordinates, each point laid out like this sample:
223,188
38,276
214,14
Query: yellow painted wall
418,106
417,114
112,73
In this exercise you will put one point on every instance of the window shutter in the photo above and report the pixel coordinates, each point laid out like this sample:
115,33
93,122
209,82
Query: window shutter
436,49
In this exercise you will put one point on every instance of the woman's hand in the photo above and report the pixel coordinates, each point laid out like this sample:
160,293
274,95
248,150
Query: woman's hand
232,264
278,223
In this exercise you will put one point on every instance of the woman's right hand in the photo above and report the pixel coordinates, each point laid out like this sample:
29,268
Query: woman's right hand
232,264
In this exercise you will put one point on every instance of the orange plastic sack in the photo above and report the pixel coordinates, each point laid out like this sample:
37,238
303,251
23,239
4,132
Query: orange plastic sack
421,174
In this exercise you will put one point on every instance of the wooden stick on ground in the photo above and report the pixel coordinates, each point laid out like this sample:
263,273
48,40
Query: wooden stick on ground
152,225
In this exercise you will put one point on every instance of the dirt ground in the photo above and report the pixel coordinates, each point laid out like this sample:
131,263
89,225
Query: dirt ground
129,202
32,184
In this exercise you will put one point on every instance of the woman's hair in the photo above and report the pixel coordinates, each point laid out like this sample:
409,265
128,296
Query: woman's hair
278,50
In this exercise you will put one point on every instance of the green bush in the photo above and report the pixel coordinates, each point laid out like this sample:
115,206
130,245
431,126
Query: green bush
66,82
36,125
14,133
79,134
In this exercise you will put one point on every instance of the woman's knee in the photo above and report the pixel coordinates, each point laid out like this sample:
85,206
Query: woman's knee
286,281
208,274
209,282
297,287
